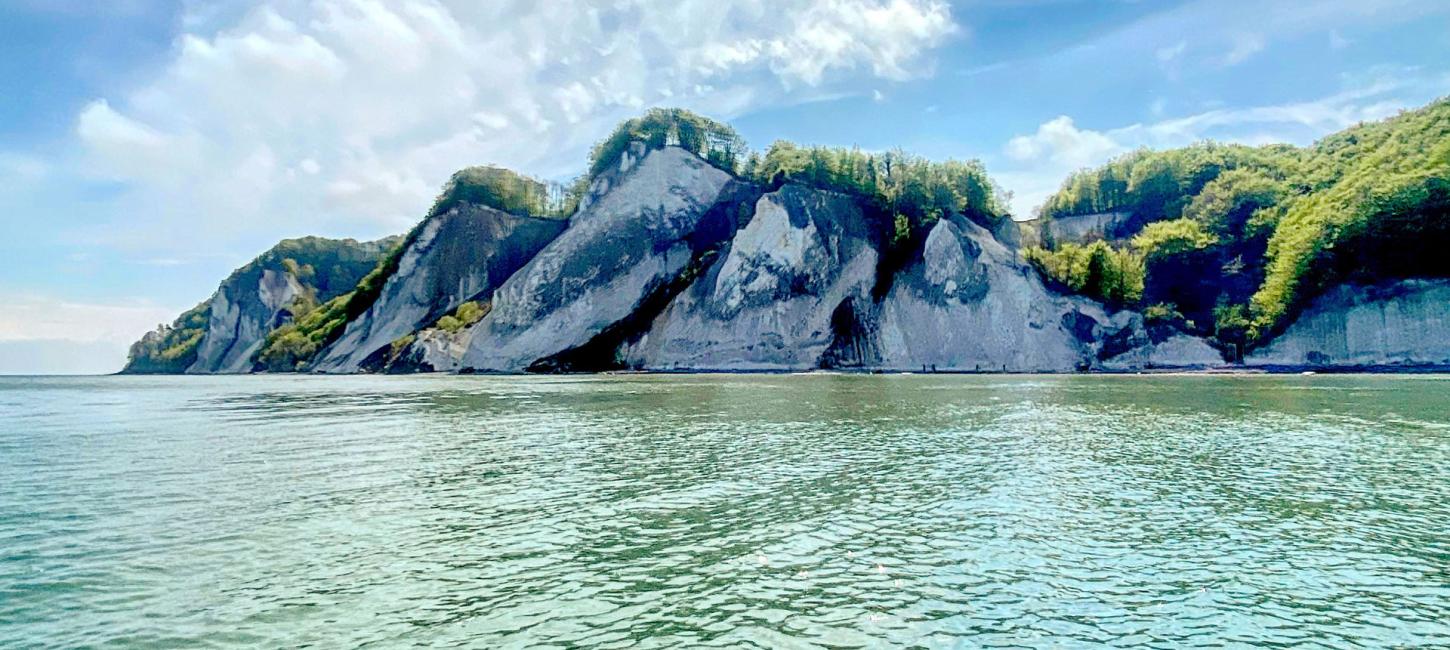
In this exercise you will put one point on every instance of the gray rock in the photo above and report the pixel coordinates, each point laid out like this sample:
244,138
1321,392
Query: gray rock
1079,228
618,250
1008,232
768,302
1404,323
260,296
1177,352
241,318
463,254
969,304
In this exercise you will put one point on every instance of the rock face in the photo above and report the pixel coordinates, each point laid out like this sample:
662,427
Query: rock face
260,296
795,290
241,317
620,250
1405,324
463,254
768,302
673,264
1177,352
797,287
1081,228
969,304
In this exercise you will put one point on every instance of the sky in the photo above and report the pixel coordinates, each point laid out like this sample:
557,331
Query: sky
148,148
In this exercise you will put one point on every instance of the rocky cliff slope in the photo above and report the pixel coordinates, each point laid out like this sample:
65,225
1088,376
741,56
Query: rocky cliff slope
618,253
460,255
677,254
767,300
1399,324
222,334
720,276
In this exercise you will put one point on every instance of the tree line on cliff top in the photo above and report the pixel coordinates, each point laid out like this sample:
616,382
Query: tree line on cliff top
1229,241
1232,241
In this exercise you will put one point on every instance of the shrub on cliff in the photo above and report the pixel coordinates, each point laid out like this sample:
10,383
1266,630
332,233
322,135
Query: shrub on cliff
292,346
506,190
661,127
1094,269
1277,225
170,348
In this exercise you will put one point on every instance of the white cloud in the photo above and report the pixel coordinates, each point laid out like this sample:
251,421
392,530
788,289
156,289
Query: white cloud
1060,143
42,318
19,169
299,115
1171,52
123,147
1244,46
48,335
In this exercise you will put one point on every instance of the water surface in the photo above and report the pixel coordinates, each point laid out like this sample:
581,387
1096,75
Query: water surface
726,511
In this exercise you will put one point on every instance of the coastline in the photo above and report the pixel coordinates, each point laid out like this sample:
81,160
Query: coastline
1434,369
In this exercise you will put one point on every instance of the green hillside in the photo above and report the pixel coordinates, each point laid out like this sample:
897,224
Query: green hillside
1232,241
326,268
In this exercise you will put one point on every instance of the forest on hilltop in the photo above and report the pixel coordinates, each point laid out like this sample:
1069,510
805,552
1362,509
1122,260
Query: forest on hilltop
1232,241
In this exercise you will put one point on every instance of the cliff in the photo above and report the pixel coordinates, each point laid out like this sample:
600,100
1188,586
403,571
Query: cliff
677,254
460,255
795,279
1403,324
619,251
222,334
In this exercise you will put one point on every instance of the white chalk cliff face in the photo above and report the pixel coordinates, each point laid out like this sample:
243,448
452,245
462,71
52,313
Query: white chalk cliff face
1404,323
969,304
261,296
767,303
241,317
619,248
673,264
795,287
794,291
461,255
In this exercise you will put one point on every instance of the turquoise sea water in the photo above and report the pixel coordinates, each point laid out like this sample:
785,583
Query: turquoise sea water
725,511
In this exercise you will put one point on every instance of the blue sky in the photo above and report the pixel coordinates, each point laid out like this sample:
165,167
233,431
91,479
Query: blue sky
147,148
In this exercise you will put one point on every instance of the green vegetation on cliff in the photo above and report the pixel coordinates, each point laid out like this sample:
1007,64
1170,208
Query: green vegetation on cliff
1238,239
902,184
898,183
912,192
506,190
661,127
323,268
170,348
290,347
293,346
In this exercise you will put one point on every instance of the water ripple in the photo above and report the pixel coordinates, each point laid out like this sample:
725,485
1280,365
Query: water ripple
725,511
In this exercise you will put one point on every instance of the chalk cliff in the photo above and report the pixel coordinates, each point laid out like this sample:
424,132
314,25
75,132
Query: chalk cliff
1399,324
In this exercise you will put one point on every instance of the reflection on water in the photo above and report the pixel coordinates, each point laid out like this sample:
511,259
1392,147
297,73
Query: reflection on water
774,511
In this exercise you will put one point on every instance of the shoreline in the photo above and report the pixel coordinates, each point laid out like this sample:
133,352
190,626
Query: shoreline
1432,369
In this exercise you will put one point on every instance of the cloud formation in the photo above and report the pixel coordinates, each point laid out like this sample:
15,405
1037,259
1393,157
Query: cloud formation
1061,143
344,116
37,318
